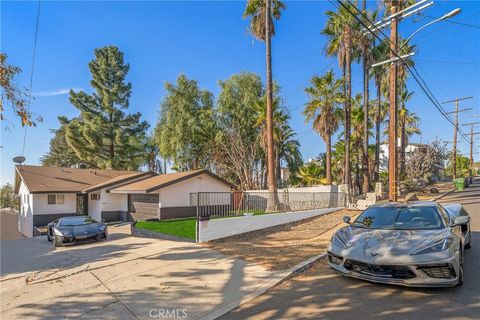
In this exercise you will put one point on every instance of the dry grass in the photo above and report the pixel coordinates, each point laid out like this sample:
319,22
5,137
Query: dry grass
425,193
282,247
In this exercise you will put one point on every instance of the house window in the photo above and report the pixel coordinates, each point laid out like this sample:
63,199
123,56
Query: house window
52,199
60,199
94,196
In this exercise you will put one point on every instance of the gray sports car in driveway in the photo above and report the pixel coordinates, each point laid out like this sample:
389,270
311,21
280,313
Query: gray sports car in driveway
72,230
417,244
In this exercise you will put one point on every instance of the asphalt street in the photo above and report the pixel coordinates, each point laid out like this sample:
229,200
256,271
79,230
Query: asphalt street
323,294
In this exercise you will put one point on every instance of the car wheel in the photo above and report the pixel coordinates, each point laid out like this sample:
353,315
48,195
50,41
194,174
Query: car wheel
460,275
469,244
55,242
48,236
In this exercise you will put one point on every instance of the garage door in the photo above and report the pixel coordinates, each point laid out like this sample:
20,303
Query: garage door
143,206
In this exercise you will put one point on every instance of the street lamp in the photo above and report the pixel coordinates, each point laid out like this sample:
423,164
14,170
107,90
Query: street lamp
452,13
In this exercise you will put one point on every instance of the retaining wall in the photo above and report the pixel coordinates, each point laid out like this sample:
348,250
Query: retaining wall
226,227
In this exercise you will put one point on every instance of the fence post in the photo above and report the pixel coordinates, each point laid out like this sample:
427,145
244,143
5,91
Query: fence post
197,226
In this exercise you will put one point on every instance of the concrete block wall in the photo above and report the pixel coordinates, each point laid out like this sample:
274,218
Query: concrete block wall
226,227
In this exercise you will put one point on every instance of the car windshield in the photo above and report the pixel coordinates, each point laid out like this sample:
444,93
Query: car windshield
76,221
400,218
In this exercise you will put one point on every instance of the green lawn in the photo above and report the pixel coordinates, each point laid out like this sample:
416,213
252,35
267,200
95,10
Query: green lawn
184,228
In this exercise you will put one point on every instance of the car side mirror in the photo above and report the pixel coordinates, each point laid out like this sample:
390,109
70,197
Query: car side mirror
457,221
102,221
346,219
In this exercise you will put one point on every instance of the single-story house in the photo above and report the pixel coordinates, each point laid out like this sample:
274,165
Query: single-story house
49,193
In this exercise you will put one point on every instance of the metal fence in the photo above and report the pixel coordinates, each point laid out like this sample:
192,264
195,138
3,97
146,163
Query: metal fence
237,203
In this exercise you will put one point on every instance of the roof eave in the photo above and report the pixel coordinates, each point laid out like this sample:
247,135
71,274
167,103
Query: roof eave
95,188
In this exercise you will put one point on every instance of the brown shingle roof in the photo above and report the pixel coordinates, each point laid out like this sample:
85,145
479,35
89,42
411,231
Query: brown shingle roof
123,179
163,180
40,179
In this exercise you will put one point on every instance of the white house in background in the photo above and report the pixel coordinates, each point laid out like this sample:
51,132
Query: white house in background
49,193
411,147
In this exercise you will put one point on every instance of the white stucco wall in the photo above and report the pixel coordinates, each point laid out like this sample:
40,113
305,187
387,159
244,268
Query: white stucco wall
221,228
94,207
113,201
332,188
41,206
178,194
25,218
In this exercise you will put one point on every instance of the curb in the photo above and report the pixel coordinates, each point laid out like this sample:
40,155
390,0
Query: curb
277,279
443,195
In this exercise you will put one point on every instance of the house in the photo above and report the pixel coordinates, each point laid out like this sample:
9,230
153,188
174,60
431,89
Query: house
439,169
409,150
171,195
49,193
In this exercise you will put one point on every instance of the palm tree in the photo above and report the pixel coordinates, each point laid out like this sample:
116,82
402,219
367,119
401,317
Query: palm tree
367,43
357,137
325,95
338,161
341,32
286,147
402,118
311,174
261,13
288,150
380,74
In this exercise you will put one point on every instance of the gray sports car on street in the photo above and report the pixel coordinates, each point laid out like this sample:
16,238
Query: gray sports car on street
71,230
416,244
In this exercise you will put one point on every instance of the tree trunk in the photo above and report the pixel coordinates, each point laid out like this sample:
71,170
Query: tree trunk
272,202
348,80
377,130
366,176
357,172
195,164
278,169
329,159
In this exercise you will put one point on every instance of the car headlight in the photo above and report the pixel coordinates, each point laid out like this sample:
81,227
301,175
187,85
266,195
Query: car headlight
338,242
61,232
101,228
436,247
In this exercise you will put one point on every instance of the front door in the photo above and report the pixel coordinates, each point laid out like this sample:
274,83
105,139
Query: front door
82,204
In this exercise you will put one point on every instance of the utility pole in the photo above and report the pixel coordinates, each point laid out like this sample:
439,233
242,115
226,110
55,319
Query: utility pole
455,131
392,130
397,13
472,134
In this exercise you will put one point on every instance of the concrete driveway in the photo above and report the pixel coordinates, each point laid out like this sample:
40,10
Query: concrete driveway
323,294
121,278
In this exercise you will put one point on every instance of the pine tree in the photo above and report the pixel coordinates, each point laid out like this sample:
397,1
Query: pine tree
103,134
60,153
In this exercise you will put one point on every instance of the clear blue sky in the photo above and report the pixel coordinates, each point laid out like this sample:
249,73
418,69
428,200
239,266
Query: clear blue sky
209,41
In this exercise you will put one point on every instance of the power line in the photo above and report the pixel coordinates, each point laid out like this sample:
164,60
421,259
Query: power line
457,22
448,62
444,26
31,76
416,76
